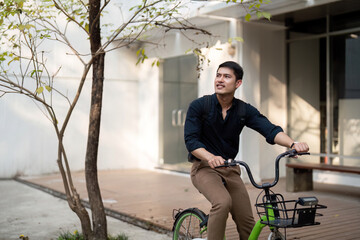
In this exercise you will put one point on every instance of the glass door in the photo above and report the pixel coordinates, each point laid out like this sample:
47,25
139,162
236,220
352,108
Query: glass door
179,88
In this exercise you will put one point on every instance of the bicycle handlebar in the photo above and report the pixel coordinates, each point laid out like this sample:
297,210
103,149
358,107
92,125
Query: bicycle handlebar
290,153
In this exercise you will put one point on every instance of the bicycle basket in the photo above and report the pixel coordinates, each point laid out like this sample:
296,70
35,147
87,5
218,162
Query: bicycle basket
287,214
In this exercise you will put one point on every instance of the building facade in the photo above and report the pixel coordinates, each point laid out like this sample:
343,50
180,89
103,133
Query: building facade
301,71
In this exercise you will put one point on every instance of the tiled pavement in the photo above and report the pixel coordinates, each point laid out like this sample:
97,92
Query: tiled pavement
148,198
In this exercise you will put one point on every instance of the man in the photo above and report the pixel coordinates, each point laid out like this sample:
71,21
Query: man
212,127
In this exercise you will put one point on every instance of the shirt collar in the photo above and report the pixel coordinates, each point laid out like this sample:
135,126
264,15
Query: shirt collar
234,103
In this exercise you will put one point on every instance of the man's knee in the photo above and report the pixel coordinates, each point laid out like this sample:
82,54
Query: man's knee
224,204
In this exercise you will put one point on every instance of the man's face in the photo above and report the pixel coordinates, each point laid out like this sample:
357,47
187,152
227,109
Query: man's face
225,81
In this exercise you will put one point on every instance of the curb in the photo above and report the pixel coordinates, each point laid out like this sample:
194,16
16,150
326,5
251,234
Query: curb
144,224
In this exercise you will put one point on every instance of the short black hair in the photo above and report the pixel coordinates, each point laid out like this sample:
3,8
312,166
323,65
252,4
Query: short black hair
238,70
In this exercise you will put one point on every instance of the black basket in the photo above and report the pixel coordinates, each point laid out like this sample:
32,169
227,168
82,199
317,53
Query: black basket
287,214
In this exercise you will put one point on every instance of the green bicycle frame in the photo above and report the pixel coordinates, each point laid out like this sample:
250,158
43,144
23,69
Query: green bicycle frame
255,233
259,226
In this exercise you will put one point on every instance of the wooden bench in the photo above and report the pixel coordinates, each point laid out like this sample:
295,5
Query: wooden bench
299,176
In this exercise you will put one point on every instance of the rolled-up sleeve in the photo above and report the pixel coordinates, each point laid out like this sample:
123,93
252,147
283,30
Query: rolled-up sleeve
255,120
193,126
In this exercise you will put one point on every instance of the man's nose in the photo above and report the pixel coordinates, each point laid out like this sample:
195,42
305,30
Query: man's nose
220,79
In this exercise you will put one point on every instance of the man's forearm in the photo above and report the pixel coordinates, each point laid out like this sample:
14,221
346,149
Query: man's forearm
284,140
202,154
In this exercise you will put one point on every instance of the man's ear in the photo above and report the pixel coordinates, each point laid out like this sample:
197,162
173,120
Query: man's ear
238,83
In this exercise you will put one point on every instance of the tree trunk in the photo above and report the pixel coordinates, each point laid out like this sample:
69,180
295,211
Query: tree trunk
96,204
72,196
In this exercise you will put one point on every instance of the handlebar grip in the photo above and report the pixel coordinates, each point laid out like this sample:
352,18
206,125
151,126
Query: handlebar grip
293,152
227,163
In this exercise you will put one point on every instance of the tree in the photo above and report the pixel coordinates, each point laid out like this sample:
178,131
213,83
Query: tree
27,26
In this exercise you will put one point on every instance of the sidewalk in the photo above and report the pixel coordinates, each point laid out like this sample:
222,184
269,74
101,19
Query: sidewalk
41,216
147,199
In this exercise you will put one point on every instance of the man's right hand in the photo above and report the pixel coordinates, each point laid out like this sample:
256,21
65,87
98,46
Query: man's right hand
216,161
203,154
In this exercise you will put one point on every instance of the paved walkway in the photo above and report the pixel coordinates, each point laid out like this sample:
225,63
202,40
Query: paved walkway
40,216
147,199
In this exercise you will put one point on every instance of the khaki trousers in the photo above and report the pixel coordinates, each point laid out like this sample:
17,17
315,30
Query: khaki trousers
224,198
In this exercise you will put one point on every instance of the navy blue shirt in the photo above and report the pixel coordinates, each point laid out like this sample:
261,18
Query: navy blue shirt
207,128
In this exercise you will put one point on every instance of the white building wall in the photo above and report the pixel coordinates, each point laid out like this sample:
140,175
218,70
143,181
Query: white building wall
28,145
148,122
264,86
25,138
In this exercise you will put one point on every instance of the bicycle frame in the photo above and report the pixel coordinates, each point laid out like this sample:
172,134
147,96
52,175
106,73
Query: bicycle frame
255,233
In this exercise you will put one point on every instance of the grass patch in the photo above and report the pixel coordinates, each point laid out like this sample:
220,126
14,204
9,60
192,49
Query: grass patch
79,236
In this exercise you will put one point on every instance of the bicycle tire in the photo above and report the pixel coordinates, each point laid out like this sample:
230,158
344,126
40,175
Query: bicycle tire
187,225
276,236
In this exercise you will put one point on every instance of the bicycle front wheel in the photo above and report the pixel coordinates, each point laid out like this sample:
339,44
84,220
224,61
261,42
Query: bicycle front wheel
187,225
276,235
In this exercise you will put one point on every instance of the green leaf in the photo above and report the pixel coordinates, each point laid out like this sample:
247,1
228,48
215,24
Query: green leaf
247,17
145,57
28,26
14,59
32,73
21,27
238,39
267,15
259,14
197,52
187,51
40,90
48,88
87,27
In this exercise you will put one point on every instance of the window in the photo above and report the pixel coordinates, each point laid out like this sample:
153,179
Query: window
324,84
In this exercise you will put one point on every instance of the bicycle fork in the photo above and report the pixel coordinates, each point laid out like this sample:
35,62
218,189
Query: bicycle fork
259,225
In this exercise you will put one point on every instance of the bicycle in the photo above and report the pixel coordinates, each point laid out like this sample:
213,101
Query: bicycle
272,209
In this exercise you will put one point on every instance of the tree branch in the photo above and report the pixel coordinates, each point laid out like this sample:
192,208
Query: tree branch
182,27
67,15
